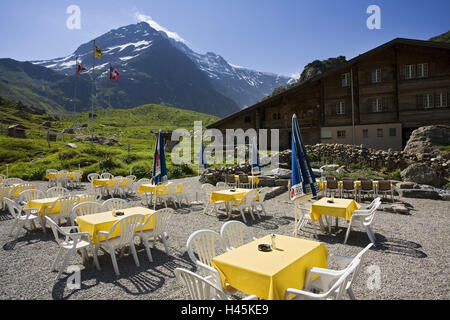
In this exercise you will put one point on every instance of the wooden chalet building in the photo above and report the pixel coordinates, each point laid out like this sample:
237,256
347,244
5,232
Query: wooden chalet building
375,99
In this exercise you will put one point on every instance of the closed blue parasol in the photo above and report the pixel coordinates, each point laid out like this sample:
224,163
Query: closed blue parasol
159,163
254,161
202,162
304,185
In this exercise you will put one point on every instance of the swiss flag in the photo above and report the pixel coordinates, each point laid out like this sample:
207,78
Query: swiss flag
113,74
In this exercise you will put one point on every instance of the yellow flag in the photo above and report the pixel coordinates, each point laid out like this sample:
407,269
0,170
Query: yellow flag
97,52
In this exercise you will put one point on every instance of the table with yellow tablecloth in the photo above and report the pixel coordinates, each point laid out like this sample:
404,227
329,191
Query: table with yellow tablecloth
108,183
143,188
42,204
268,274
255,179
340,208
103,221
56,175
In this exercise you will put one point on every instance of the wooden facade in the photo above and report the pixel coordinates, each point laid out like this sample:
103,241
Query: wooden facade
376,99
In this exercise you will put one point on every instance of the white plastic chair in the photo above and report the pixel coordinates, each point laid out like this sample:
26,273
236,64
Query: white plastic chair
106,175
12,181
159,232
180,196
128,187
221,186
21,217
93,176
170,190
91,197
57,192
208,189
63,178
200,288
113,187
363,219
335,292
146,197
22,187
202,246
29,195
246,203
303,213
4,193
234,234
261,195
65,205
326,277
85,208
114,203
53,180
78,174
72,242
127,227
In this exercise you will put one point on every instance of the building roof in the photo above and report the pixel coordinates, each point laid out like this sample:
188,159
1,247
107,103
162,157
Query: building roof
349,63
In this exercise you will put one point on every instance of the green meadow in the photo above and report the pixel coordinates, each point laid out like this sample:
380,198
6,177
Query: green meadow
28,158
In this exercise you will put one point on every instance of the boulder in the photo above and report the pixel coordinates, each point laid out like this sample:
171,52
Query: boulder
422,174
396,208
419,193
407,185
329,167
445,196
282,182
280,173
71,145
266,181
425,140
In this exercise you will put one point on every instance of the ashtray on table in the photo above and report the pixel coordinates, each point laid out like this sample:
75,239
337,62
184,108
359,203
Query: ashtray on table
119,213
264,247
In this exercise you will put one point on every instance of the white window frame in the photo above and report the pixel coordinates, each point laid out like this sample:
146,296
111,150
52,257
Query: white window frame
377,76
378,107
341,136
423,67
346,79
340,108
428,101
410,70
442,100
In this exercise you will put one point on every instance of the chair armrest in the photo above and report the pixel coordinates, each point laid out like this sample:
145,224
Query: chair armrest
252,297
106,234
301,293
68,229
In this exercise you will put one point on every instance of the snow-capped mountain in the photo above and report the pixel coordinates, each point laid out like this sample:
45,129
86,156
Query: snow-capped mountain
164,70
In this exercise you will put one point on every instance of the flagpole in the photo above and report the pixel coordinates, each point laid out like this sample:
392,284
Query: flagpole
94,94
75,90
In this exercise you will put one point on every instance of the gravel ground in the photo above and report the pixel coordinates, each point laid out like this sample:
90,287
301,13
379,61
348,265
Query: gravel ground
412,254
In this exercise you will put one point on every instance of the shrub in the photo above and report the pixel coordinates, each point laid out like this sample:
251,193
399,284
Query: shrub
395,175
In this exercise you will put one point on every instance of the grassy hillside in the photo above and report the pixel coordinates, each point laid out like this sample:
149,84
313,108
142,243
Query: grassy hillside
29,158
445,37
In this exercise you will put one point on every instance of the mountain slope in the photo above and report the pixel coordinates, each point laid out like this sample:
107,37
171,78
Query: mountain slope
128,49
445,37
151,70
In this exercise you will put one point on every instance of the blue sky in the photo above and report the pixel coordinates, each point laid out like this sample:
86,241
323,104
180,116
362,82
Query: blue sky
267,35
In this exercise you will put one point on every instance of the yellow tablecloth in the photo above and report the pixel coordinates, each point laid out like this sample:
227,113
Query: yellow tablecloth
56,175
250,178
342,208
268,274
18,191
42,204
109,182
143,188
227,195
103,221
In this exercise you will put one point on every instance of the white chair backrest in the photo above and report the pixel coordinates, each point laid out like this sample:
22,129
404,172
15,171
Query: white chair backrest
51,171
22,187
114,203
208,189
143,181
13,209
66,204
198,287
221,185
106,175
234,234
206,244
86,208
160,219
92,176
262,193
249,197
31,194
131,177
368,219
78,174
57,192
4,191
127,227
90,197
11,181
374,201
172,188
